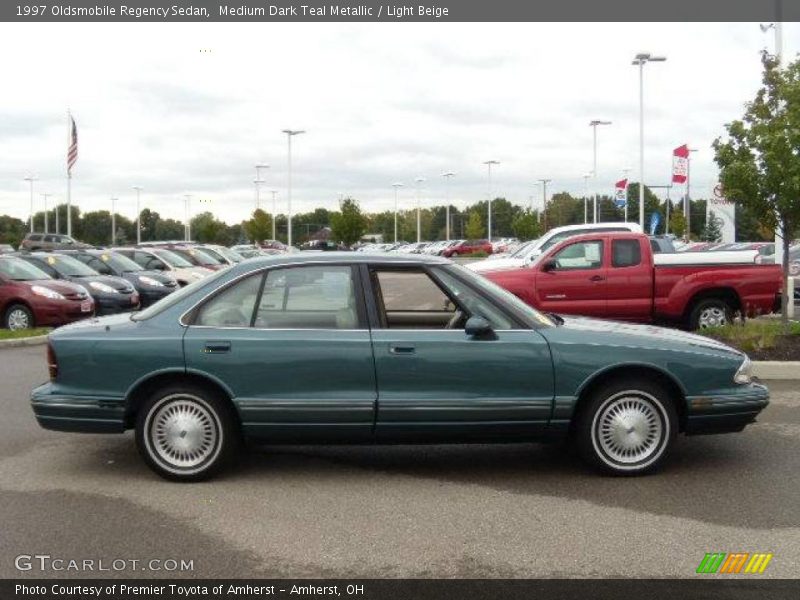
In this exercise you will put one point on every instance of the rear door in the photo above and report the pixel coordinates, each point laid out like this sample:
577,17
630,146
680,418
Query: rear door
629,281
576,284
294,348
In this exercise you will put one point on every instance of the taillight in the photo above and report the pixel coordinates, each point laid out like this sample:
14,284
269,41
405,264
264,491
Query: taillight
52,363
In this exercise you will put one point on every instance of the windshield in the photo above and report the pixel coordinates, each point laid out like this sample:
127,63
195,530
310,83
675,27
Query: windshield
119,263
68,266
19,270
529,314
200,256
175,297
231,255
523,250
172,259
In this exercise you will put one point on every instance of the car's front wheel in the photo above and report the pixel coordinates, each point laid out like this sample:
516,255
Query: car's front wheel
18,317
627,427
185,433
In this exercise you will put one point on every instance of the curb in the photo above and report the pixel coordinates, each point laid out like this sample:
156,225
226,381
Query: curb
30,341
776,369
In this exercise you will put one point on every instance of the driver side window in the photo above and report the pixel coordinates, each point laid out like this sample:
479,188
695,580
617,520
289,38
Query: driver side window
580,256
233,307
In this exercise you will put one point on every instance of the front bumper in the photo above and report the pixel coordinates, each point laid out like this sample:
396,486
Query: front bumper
84,414
730,410
118,303
61,312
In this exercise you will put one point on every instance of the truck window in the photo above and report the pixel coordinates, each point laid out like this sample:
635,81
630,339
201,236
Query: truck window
625,253
581,255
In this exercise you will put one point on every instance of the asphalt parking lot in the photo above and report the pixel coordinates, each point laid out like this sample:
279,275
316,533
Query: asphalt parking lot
521,510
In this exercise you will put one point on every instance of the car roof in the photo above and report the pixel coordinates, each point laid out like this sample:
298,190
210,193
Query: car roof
347,257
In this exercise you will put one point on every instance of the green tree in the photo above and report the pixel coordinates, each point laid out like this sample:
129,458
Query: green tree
759,161
96,227
12,230
677,223
474,229
349,224
526,225
170,229
712,232
259,227
207,229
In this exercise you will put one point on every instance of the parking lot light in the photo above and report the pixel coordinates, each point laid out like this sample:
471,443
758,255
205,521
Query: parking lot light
397,185
419,181
138,189
489,164
447,176
290,133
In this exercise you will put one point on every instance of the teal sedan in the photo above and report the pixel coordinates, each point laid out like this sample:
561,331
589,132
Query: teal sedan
359,348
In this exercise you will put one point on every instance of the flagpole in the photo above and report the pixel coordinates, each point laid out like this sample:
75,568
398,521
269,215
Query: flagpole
69,177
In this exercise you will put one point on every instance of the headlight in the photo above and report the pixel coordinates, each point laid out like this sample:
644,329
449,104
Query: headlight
46,292
150,281
745,373
102,287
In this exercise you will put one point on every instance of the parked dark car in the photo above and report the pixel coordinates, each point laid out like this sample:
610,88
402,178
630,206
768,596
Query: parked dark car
152,286
29,297
467,247
50,241
357,347
196,256
111,294
161,259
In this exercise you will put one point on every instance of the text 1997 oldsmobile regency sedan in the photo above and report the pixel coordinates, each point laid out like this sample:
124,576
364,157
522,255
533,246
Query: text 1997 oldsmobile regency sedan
384,349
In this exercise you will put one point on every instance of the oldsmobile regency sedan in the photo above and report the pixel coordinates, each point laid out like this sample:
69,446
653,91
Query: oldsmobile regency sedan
350,348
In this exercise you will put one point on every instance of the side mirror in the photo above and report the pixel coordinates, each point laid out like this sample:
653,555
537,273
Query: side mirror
478,327
549,265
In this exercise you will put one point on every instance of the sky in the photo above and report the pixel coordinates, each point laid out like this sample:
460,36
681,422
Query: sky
192,108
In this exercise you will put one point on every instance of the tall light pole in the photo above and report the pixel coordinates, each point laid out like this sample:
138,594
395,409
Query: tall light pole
397,185
274,212
138,189
447,176
30,179
46,196
593,125
188,207
290,133
114,221
489,164
625,172
586,178
258,181
640,60
687,207
419,181
544,183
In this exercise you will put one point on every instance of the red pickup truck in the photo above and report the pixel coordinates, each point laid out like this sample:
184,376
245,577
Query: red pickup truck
612,275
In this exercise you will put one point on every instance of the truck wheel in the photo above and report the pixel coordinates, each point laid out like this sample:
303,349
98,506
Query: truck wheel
626,427
713,312
185,433
18,316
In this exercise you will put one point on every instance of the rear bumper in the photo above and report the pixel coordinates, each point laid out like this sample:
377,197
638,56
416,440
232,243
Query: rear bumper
727,412
84,414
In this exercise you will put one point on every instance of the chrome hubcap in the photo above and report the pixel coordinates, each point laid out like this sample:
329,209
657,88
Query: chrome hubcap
629,429
18,319
184,433
712,317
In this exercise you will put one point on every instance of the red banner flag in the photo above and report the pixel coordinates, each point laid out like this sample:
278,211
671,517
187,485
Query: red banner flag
621,192
680,164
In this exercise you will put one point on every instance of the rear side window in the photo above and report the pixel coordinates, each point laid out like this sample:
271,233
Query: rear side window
35,237
625,253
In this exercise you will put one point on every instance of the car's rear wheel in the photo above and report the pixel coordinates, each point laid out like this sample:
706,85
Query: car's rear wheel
18,316
185,433
627,427
713,312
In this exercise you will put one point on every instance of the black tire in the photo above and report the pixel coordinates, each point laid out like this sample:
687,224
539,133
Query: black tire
641,405
196,422
15,313
711,312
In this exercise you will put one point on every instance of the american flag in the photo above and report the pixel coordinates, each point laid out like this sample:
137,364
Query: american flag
72,151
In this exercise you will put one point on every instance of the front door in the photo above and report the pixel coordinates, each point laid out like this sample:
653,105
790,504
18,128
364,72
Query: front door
573,280
293,348
437,383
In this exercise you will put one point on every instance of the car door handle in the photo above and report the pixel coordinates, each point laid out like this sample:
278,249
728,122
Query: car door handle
597,278
402,349
217,347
